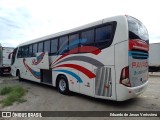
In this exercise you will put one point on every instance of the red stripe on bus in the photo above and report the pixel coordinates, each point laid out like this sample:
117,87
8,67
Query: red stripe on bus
79,68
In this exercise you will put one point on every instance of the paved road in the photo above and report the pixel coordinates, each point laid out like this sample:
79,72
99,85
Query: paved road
45,98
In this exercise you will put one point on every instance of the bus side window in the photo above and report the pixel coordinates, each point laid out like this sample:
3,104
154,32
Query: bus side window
54,46
88,36
47,46
87,39
63,45
103,35
19,55
74,42
30,51
25,51
22,52
40,47
34,50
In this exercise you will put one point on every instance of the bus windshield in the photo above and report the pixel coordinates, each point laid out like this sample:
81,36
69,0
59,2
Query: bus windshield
13,56
137,30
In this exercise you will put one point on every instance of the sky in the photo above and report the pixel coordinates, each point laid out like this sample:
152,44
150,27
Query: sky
23,20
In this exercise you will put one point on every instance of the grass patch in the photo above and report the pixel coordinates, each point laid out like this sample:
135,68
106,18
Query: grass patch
13,94
5,90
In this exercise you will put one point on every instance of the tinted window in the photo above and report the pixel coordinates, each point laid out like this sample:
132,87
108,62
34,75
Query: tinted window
73,41
30,50
34,50
47,46
103,33
88,35
13,56
22,52
25,53
54,45
19,55
63,44
40,47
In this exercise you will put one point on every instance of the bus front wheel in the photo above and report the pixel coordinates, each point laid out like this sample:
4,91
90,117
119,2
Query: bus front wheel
19,75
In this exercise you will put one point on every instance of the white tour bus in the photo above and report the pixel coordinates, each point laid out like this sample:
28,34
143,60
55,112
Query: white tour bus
107,59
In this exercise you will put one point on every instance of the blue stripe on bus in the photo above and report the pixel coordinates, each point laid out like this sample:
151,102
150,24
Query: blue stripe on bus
72,74
140,56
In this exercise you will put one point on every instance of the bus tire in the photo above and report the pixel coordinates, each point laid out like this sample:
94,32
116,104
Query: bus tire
62,85
19,75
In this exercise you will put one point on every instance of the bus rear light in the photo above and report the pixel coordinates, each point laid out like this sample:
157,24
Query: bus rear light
124,79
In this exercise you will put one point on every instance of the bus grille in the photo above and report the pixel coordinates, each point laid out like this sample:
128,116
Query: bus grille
138,55
103,86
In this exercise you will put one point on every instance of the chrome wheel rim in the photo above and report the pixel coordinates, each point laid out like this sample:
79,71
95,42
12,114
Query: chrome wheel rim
62,85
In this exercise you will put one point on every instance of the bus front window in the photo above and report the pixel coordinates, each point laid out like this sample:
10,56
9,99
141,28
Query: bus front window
13,56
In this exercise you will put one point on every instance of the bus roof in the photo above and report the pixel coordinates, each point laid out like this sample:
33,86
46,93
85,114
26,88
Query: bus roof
47,37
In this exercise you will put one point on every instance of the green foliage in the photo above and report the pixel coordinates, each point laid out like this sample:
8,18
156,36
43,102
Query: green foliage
13,94
5,90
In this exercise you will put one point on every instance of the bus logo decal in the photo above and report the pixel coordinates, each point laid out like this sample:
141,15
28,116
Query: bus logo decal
34,73
39,59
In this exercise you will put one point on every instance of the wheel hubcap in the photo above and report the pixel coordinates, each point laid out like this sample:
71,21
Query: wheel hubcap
62,85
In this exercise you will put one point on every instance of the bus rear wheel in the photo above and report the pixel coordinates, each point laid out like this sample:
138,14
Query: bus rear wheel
62,85
19,75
